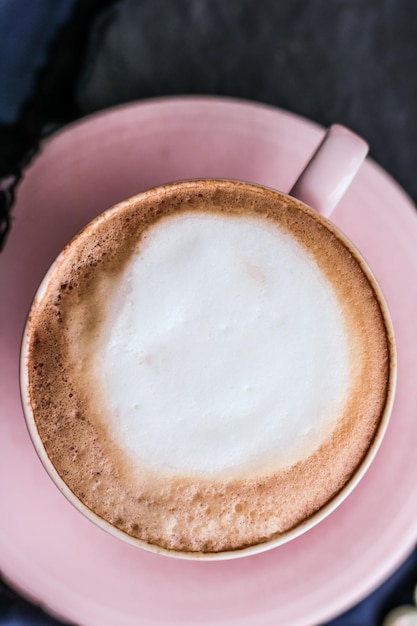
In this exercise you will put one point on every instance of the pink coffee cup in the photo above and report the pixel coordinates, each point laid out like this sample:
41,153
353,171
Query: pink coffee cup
320,186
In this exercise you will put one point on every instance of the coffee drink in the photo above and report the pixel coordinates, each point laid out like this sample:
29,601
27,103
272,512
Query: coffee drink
208,365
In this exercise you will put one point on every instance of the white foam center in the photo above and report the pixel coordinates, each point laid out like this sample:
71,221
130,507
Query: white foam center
223,348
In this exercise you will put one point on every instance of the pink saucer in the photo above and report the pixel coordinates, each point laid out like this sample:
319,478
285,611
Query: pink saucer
58,558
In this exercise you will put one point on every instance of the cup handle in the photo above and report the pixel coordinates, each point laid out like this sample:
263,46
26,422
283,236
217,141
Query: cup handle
331,169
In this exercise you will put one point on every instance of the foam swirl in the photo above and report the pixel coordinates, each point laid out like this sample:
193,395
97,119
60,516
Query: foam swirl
222,348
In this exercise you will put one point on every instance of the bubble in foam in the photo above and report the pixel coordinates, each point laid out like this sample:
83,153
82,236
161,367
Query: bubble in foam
222,348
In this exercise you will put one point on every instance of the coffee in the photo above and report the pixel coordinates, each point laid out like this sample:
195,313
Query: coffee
208,365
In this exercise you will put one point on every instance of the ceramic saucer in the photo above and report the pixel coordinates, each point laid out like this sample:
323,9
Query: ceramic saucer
61,560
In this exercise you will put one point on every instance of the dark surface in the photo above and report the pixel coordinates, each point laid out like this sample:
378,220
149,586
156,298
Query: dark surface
340,61
350,62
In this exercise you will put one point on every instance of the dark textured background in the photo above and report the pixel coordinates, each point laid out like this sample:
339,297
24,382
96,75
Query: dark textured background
354,62
347,61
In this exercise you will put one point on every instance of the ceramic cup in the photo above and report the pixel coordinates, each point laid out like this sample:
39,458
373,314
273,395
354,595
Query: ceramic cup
320,187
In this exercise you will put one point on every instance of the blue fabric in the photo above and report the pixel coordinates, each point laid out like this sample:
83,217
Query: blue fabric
26,29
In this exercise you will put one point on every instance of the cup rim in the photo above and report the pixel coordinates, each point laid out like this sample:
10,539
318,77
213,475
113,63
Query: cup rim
305,524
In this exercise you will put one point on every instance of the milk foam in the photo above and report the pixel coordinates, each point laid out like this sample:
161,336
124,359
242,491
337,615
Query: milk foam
222,348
